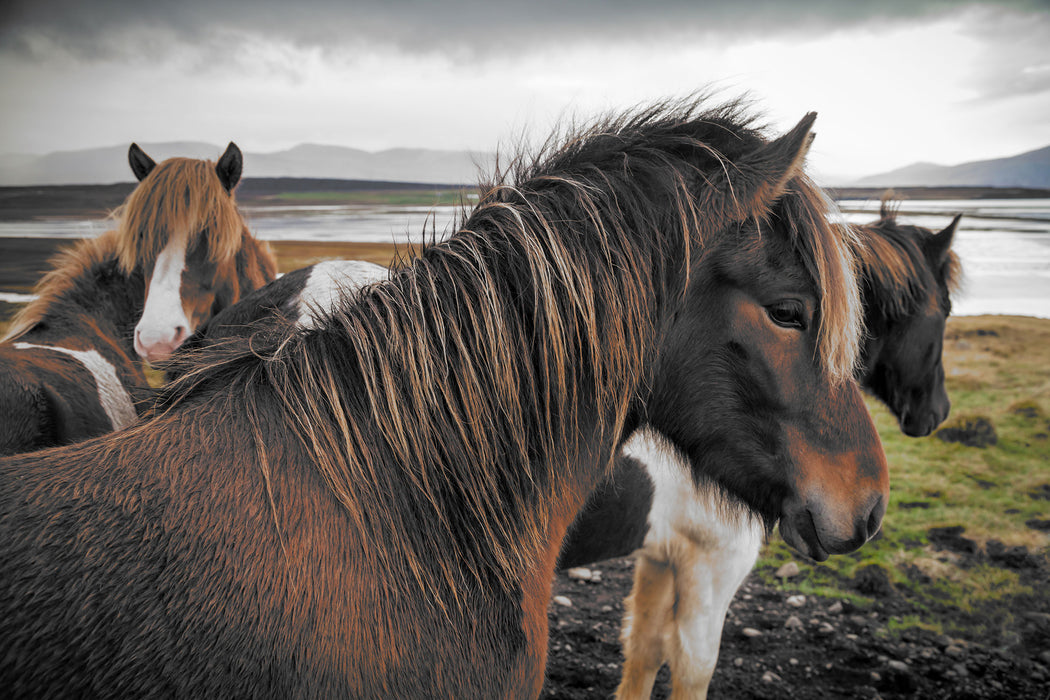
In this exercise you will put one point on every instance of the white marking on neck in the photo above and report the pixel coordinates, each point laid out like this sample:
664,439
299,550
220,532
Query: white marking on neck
111,392
332,281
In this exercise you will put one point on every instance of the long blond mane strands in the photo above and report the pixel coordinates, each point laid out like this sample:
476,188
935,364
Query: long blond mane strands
181,196
458,397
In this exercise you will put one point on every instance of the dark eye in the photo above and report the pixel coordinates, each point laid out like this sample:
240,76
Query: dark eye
788,314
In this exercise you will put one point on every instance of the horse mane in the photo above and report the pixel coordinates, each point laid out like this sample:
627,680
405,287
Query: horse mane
896,268
67,266
179,196
488,351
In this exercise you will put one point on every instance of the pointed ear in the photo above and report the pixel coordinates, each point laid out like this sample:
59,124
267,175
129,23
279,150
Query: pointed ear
229,167
887,210
940,243
141,164
756,180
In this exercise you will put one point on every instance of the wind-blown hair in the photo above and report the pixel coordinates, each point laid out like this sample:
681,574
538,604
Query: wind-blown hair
68,268
486,354
896,266
179,197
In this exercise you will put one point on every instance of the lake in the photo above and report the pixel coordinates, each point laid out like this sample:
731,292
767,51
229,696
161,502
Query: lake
1004,244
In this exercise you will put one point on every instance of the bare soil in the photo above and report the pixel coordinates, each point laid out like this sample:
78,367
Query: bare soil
841,650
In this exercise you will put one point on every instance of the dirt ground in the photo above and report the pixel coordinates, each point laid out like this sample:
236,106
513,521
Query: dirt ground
839,650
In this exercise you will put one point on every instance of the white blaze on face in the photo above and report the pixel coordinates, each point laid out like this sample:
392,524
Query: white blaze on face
164,326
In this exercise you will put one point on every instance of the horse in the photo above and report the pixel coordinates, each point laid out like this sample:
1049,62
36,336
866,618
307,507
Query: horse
694,548
373,506
69,365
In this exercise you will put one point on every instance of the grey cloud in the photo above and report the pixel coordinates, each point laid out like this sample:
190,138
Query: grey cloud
136,30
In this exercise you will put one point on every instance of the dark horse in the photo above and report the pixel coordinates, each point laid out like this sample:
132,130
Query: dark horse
694,549
68,366
373,507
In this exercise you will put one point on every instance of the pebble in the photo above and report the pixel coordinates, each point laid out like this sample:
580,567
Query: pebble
955,651
750,632
825,629
899,666
796,601
875,677
562,601
788,570
770,677
836,608
793,623
738,662
961,669
580,574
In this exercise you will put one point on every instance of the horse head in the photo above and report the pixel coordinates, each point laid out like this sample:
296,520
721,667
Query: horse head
754,378
908,274
182,227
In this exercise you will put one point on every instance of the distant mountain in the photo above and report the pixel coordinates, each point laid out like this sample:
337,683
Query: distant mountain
1031,169
108,165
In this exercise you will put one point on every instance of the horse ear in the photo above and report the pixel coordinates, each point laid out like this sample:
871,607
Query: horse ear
940,243
756,180
229,167
141,164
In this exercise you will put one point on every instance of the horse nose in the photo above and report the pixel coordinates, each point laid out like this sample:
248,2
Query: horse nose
154,344
873,523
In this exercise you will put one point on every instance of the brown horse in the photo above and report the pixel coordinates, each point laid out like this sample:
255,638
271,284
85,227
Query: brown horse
181,252
694,548
373,506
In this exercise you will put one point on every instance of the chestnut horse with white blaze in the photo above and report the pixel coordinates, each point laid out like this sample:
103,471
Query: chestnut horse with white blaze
695,546
68,365
372,506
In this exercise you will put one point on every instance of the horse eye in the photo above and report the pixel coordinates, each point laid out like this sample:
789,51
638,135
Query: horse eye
788,314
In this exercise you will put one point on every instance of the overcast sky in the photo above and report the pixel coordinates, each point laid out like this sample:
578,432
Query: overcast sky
894,82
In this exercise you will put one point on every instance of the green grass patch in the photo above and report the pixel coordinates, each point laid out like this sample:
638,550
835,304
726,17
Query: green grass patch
998,368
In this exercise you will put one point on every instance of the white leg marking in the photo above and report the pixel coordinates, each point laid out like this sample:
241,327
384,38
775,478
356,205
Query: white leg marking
331,281
111,392
708,546
164,325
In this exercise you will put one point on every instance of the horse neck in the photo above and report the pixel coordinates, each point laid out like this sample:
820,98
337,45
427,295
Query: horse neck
100,300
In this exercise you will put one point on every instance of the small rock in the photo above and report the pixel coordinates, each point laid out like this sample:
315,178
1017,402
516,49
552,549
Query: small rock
955,651
961,670
562,601
788,570
607,608
770,677
793,623
796,601
793,662
899,666
825,629
875,677
738,662
579,574
836,608
750,632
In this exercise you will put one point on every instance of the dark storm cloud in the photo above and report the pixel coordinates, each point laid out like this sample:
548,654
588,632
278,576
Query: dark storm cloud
135,29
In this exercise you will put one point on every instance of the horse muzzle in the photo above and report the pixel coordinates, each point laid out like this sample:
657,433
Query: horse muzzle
818,530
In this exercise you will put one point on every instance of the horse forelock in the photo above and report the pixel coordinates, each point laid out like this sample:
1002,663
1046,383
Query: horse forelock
67,267
827,251
180,197
484,365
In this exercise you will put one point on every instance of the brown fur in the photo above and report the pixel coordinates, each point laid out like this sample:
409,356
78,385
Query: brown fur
372,508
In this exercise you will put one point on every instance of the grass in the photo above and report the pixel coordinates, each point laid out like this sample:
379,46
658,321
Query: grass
998,368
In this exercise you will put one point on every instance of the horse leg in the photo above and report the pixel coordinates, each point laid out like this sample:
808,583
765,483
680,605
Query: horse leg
708,573
648,615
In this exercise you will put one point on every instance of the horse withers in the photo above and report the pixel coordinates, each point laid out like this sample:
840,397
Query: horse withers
694,547
69,368
373,506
